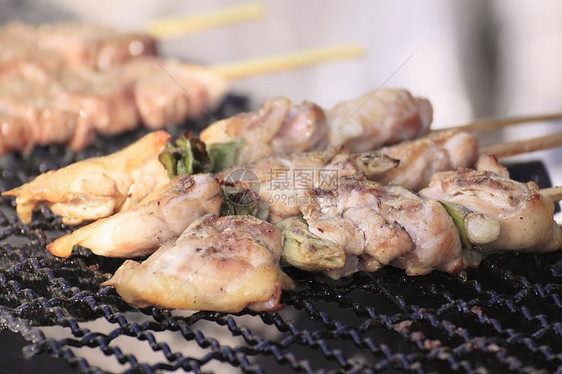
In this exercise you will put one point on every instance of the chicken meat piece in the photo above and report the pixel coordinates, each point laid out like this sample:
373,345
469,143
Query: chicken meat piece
218,264
97,187
161,216
41,116
381,117
14,134
525,216
107,104
277,128
378,225
168,91
421,158
19,49
93,46
72,44
282,182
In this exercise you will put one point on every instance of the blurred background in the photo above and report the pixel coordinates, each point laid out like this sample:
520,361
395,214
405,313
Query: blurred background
473,59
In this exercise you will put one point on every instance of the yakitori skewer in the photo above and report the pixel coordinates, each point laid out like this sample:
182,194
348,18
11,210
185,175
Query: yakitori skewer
498,123
370,225
554,193
177,26
419,160
508,149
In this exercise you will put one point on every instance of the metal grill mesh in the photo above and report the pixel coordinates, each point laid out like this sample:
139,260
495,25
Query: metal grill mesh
505,316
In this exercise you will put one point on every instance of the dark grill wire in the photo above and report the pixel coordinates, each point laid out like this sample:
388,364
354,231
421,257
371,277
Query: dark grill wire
504,316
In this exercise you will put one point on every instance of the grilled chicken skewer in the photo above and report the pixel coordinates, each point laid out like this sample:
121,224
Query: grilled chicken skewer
220,264
376,225
307,118
169,210
228,263
379,118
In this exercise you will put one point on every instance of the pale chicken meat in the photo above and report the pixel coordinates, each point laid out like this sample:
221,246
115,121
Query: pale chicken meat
33,106
381,117
283,182
105,103
421,158
221,264
277,128
72,44
378,225
525,216
94,46
167,91
97,187
161,216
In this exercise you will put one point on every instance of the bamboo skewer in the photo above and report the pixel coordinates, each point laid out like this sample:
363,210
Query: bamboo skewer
498,123
173,27
502,150
554,193
291,60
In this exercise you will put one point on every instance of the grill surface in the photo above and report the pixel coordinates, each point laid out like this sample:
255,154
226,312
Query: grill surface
505,316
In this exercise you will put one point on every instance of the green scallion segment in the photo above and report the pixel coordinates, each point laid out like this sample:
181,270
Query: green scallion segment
186,155
224,155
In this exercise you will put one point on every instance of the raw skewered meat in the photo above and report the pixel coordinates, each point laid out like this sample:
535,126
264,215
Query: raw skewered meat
167,91
72,105
161,216
220,264
97,187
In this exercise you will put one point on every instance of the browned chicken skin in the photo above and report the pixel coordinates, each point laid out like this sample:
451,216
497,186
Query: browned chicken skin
221,264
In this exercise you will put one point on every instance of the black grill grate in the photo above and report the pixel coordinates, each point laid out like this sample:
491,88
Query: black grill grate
505,316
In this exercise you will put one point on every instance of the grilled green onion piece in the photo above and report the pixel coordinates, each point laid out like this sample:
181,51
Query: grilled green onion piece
244,202
304,250
475,229
224,155
186,155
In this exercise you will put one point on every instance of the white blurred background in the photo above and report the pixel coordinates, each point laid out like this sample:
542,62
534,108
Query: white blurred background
473,59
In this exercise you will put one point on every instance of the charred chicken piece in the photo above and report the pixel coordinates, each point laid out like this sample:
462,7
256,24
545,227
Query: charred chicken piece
277,128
